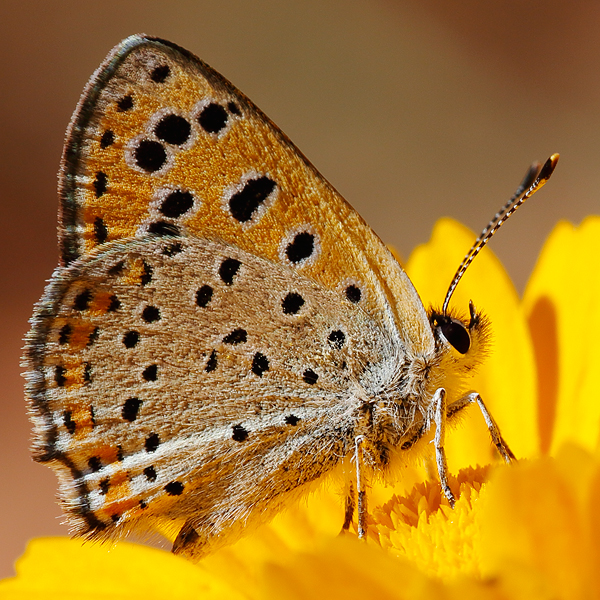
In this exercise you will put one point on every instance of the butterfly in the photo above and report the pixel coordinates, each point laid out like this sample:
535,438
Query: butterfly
223,328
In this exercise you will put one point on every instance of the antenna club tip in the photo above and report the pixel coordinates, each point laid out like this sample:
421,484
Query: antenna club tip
523,193
548,168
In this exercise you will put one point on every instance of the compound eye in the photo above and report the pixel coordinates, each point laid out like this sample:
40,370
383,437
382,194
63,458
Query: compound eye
457,335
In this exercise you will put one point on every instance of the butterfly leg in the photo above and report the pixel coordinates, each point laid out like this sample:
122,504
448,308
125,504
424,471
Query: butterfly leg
349,508
439,418
361,491
497,439
188,543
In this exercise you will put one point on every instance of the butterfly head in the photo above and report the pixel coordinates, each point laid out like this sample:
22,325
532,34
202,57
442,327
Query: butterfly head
465,338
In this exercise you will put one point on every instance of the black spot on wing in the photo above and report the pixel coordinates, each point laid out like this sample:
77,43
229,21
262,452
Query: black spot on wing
94,463
211,364
159,74
100,230
228,270
176,204
240,434
204,296
100,184
150,156
292,303
213,118
68,421
337,338
82,300
131,338
150,314
125,103
310,377
237,336
107,139
65,334
174,488
130,409
60,376
260,364
301,247
173,129
152,442
244,203
353,293
150,373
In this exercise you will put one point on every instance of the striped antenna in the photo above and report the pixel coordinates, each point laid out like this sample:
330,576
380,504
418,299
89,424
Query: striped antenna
533,181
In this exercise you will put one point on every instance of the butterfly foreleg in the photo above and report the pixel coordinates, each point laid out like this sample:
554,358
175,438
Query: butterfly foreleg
497,439
439,418
361,485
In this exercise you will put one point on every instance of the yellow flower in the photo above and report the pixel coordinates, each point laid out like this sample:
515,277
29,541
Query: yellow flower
531,530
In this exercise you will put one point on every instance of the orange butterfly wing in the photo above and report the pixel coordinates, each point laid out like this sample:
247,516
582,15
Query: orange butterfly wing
160,142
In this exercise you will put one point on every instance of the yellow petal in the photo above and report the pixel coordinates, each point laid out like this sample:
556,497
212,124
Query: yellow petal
506,379
344,568
349,569
535,533
562,302
61,568
299,528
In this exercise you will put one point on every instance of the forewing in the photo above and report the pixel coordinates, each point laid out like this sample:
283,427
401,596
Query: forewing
160,142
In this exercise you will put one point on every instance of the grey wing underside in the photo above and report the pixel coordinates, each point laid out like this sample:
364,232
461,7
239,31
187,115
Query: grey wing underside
184,379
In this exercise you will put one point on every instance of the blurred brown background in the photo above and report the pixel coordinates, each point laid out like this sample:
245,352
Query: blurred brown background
413,109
